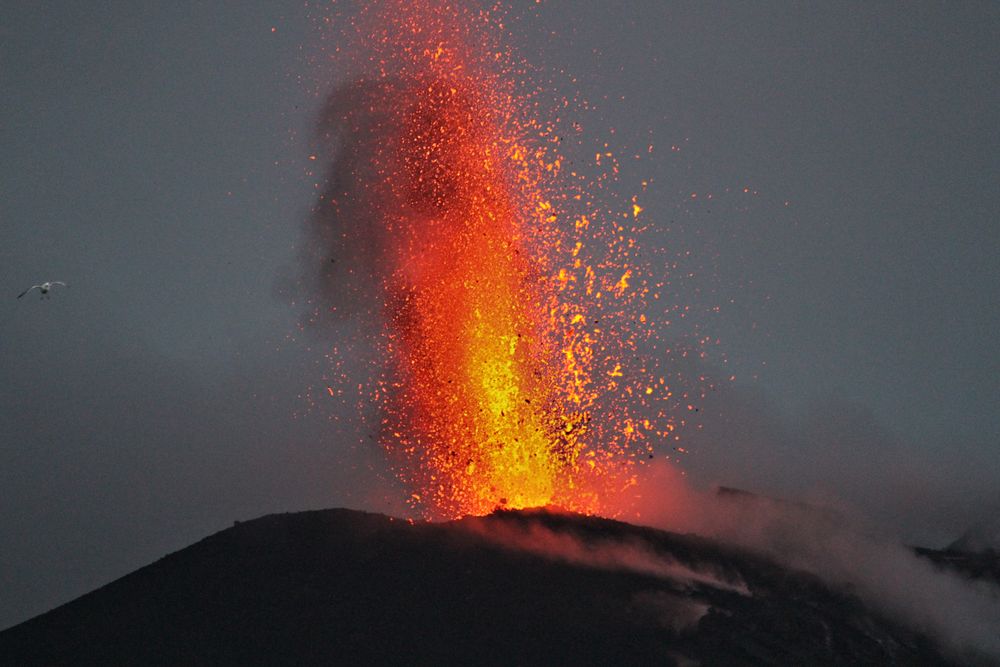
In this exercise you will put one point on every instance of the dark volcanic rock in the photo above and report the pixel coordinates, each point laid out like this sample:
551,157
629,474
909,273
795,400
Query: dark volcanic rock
344,587
983,538
983,566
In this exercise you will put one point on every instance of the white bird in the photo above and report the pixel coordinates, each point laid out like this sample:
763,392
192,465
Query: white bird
44,288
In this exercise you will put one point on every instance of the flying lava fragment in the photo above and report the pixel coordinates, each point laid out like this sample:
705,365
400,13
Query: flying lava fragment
508,301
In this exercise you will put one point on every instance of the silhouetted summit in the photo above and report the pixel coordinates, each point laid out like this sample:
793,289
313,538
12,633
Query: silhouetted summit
534,587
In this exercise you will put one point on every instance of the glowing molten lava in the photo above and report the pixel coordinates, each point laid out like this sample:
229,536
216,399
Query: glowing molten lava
500,366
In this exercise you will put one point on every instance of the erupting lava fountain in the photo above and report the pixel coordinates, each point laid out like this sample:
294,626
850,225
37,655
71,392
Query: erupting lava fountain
512,306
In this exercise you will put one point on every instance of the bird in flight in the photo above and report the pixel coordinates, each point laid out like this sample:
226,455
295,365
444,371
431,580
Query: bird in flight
44,288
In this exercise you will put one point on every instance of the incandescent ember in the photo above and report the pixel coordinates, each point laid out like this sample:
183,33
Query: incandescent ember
512,306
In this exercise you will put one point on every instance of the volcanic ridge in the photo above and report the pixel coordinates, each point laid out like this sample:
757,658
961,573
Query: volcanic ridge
516,587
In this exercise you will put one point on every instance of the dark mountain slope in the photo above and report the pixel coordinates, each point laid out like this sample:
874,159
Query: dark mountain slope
344,587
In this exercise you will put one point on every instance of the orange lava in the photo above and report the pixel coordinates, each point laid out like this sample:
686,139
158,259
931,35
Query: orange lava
500,282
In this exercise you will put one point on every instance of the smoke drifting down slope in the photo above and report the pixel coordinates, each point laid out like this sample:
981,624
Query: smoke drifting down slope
842,550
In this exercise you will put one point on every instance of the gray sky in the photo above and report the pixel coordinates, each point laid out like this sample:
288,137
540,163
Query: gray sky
154,155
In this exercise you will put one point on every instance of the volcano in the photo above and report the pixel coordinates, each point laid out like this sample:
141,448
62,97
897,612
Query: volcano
516,587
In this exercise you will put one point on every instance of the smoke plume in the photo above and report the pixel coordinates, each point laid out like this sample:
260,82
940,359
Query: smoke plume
964,615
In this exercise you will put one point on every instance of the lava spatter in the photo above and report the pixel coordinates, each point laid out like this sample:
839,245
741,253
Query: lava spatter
511,305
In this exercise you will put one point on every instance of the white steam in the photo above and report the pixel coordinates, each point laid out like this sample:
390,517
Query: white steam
963,614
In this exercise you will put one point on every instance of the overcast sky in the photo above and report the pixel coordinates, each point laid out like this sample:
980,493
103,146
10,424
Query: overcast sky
154,156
